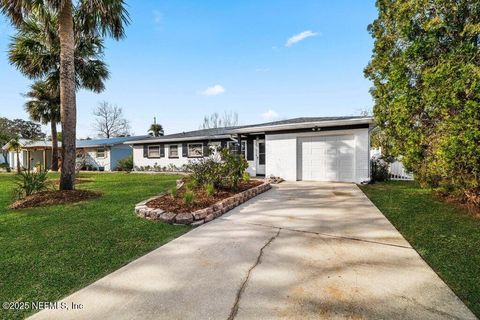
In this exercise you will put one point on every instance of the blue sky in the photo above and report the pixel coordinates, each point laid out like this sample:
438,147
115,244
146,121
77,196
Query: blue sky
182,60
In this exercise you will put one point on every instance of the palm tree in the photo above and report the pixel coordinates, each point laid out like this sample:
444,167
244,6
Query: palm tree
156,129
14,145
93,18
44,106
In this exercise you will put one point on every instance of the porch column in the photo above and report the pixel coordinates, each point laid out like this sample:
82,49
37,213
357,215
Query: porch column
28,159
45,159
239,141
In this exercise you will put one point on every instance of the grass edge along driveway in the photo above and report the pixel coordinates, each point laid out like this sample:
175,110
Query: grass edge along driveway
445,235
49,252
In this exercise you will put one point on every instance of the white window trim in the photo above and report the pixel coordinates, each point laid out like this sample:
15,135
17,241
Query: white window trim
170,151
243,142
148,151
194,156
104,153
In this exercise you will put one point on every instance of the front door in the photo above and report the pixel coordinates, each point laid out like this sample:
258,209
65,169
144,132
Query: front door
260,157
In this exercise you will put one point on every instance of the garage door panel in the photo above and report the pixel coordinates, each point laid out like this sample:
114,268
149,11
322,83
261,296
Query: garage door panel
327,158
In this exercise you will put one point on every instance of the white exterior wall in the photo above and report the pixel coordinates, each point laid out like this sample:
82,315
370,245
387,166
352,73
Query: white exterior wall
281,153
91,158
140,161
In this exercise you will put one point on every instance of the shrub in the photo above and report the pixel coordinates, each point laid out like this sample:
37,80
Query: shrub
191,184
206,171
233,168
125,164
210,189
30,182
173,192
246,177
188,197
225,171
379,170
5,166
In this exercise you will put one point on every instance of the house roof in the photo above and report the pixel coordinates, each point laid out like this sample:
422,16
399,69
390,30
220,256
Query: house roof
106,142
80,143
225,133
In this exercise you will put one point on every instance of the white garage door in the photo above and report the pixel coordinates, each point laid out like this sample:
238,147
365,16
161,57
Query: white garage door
326,158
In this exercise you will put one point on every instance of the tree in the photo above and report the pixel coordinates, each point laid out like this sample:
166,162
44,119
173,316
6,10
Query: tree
217,121
95,17
14,145
156,129
110,121
44,106
425,71
18,128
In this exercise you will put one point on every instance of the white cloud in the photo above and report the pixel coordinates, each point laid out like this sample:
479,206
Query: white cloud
299,37
270,114
213,90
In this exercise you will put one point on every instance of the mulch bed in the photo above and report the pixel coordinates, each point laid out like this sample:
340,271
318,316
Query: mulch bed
77,181
201,198
47,198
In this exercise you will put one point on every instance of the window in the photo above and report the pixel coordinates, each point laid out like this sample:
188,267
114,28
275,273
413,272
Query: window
244,149
195,150
100,152
173,151
233,147
154,151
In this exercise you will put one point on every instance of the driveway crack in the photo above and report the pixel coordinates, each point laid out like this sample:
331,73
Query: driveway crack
234,310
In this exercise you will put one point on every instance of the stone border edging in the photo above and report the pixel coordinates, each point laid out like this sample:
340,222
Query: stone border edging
200,216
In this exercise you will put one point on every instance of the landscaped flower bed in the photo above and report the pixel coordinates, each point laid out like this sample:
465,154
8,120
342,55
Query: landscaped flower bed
203,209
216,184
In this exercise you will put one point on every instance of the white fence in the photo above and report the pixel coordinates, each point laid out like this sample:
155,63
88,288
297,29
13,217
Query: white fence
396,169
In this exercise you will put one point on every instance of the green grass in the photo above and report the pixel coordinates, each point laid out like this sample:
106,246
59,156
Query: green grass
445,235
47,253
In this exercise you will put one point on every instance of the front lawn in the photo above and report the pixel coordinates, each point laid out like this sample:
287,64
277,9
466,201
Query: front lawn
50,252
446,236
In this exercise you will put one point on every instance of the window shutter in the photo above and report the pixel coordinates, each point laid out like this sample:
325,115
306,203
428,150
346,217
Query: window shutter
206,150
250,150
184,150
145,151
162,150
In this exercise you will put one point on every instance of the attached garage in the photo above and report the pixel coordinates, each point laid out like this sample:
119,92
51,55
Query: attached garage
326,158
324,155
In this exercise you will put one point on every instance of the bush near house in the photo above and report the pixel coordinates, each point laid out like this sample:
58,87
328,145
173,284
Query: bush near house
379,170
211,179
426,87
125,164
224,172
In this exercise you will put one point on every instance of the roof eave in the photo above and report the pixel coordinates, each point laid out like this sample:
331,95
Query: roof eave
303,125
198,138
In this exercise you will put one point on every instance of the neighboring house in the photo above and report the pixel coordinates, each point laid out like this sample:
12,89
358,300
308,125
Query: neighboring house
320,149
96,154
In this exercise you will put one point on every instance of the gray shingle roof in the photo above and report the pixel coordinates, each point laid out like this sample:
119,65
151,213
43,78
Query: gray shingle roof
107,142
218,132
300,120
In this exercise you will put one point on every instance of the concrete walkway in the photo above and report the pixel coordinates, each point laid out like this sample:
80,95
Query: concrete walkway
299,251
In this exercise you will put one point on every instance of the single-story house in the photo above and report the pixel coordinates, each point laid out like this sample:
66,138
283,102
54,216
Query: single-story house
95,154
317,148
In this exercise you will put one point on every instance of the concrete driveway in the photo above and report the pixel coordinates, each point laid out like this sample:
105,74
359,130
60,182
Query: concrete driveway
299,251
